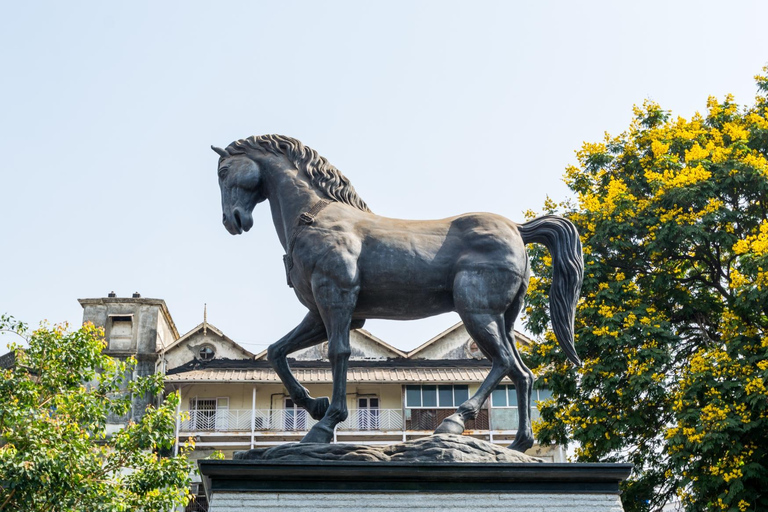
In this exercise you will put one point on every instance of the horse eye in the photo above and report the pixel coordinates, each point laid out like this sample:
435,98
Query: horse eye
223,172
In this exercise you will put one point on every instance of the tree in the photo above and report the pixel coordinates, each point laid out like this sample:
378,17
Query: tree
673,321
55,451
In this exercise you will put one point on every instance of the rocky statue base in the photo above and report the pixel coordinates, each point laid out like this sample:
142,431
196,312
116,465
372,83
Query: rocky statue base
439,447
439,473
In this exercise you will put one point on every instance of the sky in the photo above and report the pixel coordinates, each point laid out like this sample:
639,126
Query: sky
431,109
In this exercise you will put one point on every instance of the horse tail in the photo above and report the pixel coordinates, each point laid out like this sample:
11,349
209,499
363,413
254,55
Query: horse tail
560,237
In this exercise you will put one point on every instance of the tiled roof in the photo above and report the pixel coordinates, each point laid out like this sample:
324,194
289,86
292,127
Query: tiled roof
323,375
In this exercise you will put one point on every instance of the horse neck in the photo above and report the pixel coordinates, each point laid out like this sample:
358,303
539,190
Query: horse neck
290,194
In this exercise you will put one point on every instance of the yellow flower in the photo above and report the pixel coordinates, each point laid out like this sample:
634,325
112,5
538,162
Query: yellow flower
696,153
601,331
735,131
606,311
757,244
659,148
755,386
756,161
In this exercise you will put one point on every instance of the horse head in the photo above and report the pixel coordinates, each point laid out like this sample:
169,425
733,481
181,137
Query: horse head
241,184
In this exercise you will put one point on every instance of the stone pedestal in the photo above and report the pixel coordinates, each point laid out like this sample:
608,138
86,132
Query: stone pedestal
326,486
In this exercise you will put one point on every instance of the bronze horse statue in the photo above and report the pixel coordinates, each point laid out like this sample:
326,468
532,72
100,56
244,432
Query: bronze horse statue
347,265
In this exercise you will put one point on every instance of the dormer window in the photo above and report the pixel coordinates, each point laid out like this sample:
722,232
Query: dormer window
206,353
120,332
472,350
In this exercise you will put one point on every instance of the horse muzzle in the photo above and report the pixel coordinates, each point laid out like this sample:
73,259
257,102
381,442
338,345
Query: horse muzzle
237,221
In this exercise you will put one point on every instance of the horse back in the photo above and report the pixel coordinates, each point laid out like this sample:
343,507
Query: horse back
407,269
438,244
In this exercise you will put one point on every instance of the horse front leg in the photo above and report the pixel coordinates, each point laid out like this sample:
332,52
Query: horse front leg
309,332
336,307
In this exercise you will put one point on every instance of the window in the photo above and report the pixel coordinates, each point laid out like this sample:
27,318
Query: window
472,350
506,396
544,394
204,413
443,396
295,416
368,413
120,332
206,353
208,413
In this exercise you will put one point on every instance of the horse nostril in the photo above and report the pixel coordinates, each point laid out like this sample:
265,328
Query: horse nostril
238,222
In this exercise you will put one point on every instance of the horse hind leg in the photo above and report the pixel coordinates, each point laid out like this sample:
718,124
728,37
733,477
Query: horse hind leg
523,379
488,331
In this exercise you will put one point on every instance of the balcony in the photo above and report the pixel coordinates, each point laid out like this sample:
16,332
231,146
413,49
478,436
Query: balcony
287,420
360,420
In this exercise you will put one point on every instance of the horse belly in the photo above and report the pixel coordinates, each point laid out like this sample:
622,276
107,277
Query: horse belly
405,280
403,304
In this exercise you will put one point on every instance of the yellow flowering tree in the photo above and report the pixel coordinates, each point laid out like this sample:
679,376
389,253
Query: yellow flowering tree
673,321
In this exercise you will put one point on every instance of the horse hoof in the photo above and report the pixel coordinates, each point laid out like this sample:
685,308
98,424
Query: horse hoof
318,406
453,424
318,434
521,445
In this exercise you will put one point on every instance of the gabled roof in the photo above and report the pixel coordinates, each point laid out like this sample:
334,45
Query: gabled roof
209,327
520,337
384,344
393,352
435,339
400,367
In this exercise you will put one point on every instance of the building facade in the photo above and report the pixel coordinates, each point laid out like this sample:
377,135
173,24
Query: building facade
232,400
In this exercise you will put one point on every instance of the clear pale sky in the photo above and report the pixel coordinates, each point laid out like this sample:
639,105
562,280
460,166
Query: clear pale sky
108,109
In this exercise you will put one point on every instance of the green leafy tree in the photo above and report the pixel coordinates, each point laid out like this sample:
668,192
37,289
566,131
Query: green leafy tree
55,451
673,321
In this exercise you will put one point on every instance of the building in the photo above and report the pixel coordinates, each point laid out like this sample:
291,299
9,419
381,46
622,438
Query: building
135,327
232,400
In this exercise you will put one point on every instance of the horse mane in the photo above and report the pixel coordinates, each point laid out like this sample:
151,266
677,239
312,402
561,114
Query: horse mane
321,173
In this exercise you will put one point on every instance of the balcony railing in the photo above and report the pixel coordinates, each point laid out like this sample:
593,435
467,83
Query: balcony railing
286,420
373,419
297,420
429,419
221,420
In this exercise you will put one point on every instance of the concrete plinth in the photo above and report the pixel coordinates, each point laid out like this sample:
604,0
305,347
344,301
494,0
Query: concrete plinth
246,486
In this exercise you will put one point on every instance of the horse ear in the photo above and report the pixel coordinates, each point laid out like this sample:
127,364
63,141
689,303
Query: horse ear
222,152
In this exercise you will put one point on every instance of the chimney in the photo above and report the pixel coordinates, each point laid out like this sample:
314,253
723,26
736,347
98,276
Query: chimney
136,295
112,295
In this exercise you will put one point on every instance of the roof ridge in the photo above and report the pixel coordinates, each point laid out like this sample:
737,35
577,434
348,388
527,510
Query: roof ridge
209,326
